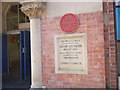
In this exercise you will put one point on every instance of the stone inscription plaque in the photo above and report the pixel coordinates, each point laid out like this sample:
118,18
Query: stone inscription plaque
71,54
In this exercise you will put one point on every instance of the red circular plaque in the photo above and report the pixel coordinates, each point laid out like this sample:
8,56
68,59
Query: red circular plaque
69,23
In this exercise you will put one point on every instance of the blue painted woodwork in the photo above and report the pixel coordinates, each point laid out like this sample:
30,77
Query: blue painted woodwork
4,54
25,56
21,55
118,23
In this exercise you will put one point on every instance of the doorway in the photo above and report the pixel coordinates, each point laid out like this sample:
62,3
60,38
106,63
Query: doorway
14,55
117,15
118,62
19,61
118,56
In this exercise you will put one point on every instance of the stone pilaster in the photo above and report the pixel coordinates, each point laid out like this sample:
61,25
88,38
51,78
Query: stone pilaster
35,10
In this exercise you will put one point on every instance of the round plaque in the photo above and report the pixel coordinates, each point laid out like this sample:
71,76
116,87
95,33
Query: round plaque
69,23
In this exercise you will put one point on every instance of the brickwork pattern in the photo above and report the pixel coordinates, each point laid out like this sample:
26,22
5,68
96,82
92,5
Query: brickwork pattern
110,46
92,25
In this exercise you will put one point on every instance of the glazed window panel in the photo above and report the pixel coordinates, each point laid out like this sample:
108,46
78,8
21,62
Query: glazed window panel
12,23
15,17
13,11
27,19
117,2
21,17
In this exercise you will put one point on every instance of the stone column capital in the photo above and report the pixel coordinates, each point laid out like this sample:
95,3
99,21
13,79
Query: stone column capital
33,9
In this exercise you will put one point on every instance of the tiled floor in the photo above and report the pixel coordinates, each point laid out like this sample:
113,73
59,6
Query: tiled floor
9,81
12,80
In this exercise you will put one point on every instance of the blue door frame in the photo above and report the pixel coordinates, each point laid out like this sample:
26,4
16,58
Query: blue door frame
117,23
25,56
4,54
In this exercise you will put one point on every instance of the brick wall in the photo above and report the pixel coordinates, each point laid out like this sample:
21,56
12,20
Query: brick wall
110,46
92,25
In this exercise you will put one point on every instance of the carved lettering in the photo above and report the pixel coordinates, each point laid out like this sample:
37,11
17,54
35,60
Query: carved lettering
71,52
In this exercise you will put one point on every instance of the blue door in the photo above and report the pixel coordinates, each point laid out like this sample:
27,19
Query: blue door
25,56
4,54
118,23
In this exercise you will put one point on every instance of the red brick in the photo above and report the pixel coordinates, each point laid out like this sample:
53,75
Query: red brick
99,52
110,48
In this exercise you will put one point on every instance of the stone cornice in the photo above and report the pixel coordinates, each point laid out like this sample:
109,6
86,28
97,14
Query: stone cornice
33,9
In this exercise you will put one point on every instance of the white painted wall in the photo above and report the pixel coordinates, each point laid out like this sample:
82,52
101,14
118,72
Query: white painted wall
56,0
54,9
